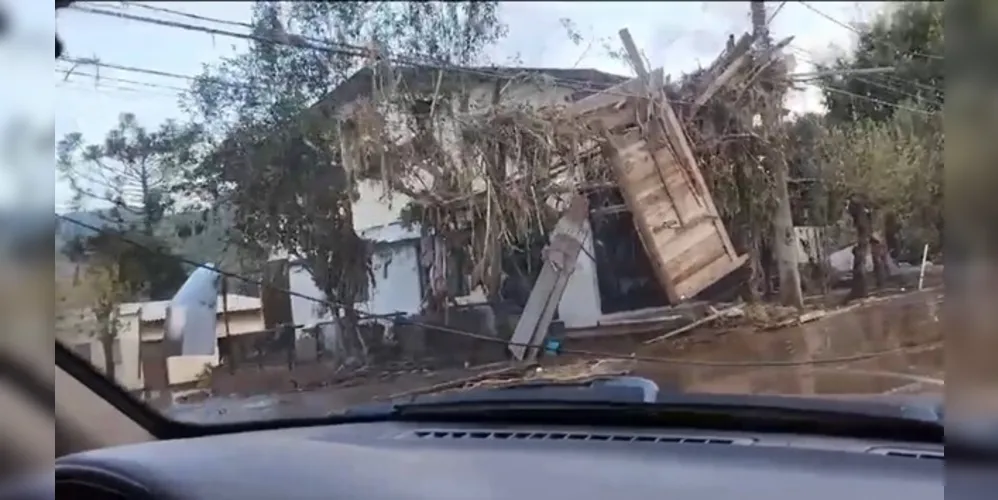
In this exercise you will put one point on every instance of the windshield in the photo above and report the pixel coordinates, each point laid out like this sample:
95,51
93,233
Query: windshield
271,210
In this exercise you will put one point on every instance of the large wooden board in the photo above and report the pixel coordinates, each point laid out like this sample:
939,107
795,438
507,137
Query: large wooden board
674,215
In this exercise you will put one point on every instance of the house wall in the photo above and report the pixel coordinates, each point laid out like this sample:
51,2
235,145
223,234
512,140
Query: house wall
398,289
84,332
186,369
396,286
580,305
375,208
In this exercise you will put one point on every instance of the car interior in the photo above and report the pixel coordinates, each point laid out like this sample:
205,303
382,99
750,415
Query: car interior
103,451
107,446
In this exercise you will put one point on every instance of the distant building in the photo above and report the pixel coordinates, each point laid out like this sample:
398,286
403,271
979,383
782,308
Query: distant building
140,337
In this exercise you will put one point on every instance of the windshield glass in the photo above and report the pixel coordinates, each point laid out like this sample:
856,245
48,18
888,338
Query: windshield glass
274,210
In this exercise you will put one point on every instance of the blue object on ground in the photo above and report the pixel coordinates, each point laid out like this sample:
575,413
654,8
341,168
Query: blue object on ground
552,346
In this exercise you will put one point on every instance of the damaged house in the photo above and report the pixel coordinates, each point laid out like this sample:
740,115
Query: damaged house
614,278
460,174
401,272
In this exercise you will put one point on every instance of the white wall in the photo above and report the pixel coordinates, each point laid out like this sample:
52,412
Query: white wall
396,286
305,311
580,305
373,208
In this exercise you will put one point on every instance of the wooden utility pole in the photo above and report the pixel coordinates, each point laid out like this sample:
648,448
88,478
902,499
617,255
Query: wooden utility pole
784,242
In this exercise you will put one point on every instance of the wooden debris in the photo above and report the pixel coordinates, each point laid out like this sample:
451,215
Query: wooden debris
559,263
801,319
461,382
696,324
674,213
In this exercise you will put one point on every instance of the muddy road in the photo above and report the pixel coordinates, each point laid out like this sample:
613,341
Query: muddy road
905,330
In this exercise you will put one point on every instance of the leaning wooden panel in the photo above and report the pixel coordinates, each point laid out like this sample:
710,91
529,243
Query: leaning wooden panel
684,238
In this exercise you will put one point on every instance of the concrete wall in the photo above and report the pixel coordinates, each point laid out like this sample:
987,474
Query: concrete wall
580,305
396,287
187,369
126,370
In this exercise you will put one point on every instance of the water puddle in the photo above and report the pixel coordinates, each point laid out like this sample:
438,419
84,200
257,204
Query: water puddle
907,329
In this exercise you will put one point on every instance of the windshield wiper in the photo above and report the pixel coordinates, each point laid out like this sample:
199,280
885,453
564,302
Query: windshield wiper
633,401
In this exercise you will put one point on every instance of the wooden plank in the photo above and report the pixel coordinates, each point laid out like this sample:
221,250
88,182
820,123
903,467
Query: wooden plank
643,161
685,265
678,174
633,55
523,334
688,238
612,96
644,233
559,263
679,136
710,275
738,57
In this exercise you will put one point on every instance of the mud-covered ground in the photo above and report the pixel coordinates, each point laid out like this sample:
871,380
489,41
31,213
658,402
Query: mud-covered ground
885,346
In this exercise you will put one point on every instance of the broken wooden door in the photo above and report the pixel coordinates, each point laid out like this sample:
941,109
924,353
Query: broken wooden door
674,216
663,188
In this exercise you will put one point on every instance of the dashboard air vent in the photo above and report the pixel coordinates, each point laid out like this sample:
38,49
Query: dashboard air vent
909,453
576,436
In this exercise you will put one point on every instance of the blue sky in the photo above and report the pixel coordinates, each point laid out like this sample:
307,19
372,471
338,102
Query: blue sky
675,35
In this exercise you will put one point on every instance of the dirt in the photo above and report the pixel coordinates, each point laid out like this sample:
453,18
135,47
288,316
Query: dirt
904,331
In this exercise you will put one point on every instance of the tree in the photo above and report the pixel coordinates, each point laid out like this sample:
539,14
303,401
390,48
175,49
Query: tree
107,280
132,169
893,167
909,38
135,171
884,145
281,173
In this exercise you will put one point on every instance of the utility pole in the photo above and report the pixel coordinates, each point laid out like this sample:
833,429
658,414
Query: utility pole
784,241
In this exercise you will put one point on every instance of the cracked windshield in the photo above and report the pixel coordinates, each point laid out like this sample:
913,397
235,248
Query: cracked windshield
286,209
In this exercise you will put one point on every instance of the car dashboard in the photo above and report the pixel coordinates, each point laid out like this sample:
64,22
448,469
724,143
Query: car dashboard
404,460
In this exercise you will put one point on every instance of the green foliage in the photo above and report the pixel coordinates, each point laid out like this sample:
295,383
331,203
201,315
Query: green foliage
129,262
897,165
909,38
135,171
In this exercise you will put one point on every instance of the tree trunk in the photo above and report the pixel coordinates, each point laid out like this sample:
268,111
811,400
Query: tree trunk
892,235
107,345
351,342
493,274
878,253
784,241
861,219
747,241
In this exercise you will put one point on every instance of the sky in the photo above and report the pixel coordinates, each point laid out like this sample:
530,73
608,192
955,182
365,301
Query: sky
677,36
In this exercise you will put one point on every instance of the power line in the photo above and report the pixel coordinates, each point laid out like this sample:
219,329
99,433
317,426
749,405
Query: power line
776,11
585,353
339,49
876,84
103,88
857,31
188,15
878,101
98,79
